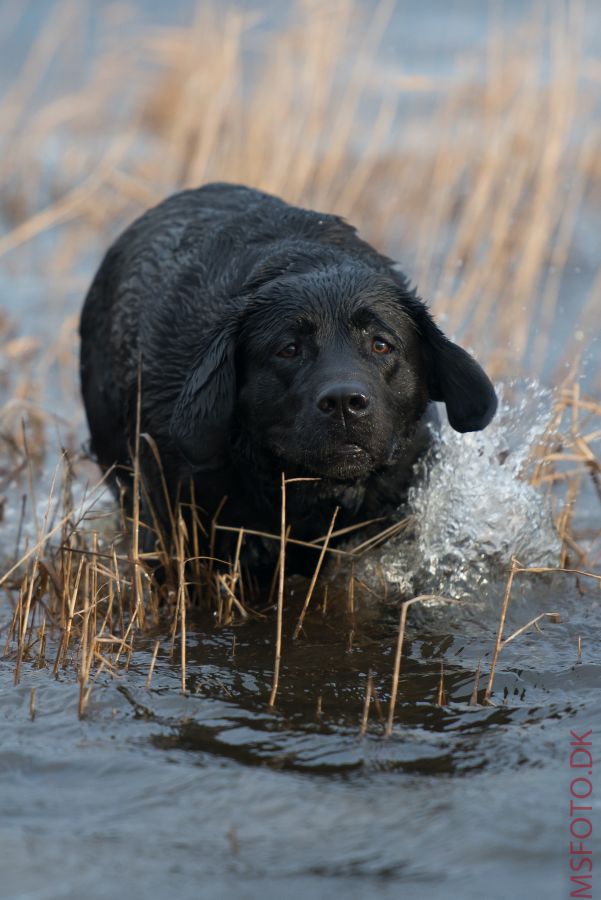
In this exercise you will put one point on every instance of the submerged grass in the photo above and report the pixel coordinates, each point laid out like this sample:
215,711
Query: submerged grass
482,180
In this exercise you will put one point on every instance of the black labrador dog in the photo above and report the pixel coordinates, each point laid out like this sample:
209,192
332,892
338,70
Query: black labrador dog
266,339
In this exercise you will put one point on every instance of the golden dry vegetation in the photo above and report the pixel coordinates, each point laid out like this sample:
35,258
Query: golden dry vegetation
480,181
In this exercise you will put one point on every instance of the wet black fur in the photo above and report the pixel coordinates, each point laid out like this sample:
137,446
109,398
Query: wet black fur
199,295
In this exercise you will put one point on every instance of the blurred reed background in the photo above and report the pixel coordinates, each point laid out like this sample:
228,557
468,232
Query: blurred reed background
484,185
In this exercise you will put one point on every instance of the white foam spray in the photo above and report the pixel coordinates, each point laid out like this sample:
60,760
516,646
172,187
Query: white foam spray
474,507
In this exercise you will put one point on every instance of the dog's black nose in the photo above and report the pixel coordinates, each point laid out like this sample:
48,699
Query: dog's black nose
348,399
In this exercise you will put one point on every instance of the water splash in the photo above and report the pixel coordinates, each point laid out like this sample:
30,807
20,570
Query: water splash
473,507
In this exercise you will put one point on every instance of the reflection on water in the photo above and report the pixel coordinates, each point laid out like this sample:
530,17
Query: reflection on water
164,789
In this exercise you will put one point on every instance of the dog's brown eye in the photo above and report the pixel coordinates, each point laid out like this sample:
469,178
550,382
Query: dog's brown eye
380,346
288,351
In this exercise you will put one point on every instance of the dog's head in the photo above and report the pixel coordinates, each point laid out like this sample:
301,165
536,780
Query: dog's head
328,371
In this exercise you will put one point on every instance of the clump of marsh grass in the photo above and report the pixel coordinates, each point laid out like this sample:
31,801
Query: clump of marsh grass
94,598
481,191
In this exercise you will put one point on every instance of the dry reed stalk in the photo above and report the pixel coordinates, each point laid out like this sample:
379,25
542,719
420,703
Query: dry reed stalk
324,605
340,532
214,528
110,599
441,697
399,652
350,594
196,526
20,525
236,576
32,492
275,537
87,647
70,595
36,567
476,688
41,659
382,536
123,645
135,548
369,687
166,495
225,619
13,623
499,641
24,623
315,576
553,616
542,570
319,707
39,545
182,599
280,606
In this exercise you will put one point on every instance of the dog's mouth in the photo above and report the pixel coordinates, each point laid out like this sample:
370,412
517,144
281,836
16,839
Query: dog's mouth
347,461
338,460
346,450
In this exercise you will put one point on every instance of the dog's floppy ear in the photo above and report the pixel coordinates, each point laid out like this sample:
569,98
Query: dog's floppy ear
201,419
454,377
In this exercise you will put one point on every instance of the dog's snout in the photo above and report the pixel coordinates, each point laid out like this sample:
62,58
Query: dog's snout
348,399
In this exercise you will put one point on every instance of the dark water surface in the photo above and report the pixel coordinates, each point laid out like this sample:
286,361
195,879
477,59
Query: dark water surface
212,794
